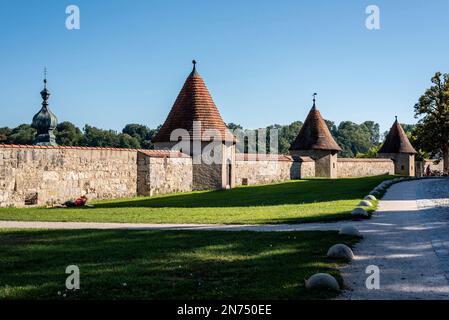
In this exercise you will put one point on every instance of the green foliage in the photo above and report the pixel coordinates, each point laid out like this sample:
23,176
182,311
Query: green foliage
127,141
23,134
67,134
4,134
432,131
351,137
142,133
354,138
94,137
371,153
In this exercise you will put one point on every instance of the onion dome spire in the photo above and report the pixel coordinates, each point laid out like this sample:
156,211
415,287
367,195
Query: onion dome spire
45,121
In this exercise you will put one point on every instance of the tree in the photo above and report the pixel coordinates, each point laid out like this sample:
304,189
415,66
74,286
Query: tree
127,141
94,137
371,153
67,134
354,138
287,134
142,133
4,134
433,127
373,130
23,134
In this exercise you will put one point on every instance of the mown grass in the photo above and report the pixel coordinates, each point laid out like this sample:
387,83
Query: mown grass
165,264
290,202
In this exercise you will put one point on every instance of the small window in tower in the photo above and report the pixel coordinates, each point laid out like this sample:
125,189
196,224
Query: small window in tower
402,168
334,165
244,181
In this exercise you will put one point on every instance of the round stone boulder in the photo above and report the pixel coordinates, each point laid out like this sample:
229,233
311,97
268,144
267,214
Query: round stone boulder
340,251
322,281
350,231
360,212
365,203
370,197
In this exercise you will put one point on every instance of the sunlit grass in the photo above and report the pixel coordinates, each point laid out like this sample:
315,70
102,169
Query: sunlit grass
291,202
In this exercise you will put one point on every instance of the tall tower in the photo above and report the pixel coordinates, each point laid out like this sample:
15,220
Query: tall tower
398,148
193,118
315,140
45,121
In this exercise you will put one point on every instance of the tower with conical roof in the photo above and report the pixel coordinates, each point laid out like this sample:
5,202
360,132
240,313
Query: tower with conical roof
45,121
315,140
397,147
195,127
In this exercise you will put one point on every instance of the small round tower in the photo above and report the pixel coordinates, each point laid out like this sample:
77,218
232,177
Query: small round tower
398,148
315,141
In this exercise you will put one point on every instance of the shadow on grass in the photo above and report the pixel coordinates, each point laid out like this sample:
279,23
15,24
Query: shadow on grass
164,264
293,192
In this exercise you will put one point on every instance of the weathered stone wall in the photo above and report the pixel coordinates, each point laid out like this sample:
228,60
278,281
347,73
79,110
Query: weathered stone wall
41,176
404,163
325,161
161,175
253,169
354,167
212,162
421,166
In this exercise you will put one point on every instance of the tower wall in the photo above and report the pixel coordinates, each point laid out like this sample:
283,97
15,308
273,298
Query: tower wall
325,162
404,163
216,173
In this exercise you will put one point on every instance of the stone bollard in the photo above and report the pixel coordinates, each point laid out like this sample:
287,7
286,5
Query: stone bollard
322,281
365,203
340,251
350,231
360,212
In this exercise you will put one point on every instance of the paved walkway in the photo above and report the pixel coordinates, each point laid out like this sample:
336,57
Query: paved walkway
407,238
409,243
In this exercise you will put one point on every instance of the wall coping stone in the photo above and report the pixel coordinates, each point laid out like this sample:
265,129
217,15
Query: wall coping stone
150,153
270,157
363,160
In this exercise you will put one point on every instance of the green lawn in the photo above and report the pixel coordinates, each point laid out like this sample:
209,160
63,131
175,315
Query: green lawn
164,264
290,202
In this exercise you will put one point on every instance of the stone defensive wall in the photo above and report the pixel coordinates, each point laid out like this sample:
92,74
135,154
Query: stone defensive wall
360,167
33,175
251,169
38,175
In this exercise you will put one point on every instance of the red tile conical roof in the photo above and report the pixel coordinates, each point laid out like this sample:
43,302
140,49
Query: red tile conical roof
397,141
314,134
194,103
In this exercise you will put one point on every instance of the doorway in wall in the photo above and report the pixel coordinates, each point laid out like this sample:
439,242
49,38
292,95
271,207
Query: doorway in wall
229,175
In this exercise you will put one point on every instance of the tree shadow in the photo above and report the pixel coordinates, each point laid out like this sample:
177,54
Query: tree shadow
165,264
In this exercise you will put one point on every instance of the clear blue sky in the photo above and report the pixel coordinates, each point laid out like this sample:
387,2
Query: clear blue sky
261,60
